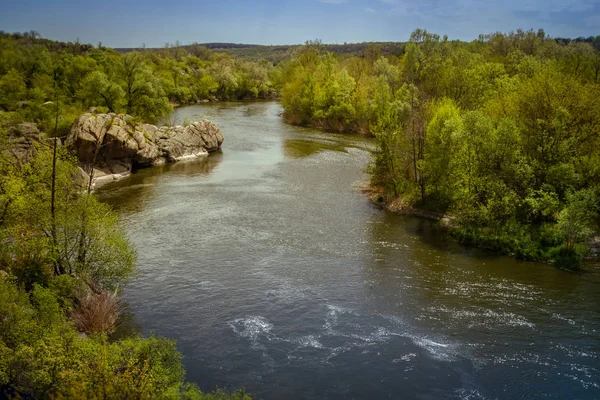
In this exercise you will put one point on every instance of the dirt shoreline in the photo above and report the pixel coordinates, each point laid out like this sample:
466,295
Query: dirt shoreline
399,205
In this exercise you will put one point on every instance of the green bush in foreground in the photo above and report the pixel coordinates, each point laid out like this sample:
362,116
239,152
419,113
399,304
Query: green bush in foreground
43,356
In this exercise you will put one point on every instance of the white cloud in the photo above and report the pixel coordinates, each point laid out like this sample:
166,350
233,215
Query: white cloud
370,10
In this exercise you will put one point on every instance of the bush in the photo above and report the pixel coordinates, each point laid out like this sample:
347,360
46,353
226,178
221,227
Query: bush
97,313
566,257
43,356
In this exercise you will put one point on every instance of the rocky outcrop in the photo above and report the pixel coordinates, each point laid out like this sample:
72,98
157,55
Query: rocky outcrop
21,141
115,144
182,142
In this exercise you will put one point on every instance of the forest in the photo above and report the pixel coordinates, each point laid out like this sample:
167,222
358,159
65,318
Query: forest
278,54
500,135
146,84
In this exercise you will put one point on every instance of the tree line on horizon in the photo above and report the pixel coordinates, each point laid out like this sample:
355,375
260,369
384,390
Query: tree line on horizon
145,84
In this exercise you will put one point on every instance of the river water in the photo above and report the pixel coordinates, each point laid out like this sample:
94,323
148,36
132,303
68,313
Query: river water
275,274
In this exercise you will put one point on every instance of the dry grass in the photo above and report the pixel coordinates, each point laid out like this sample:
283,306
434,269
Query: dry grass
97,313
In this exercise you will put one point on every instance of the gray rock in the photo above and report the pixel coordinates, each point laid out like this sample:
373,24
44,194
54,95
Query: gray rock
113,144
22,140
105,139
81,178
195,140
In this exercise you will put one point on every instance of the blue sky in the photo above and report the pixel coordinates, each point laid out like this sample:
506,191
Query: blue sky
131,23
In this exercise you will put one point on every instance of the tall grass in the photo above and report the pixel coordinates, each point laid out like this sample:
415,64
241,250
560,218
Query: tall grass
97,313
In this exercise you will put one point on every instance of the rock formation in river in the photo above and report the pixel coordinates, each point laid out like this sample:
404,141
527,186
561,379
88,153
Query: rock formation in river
113,144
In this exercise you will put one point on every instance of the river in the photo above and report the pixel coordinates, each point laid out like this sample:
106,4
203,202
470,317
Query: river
274,273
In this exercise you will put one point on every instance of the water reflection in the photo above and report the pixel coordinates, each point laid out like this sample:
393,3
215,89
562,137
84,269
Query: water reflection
305,148
133,193
194,168
127,326
253,111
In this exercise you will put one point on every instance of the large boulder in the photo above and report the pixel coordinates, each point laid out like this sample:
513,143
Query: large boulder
108,139
113,144
197,139
21,141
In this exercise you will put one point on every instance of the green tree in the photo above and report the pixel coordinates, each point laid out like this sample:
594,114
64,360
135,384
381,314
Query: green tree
12,89
438,165
577,221
97,89
144,94
80,238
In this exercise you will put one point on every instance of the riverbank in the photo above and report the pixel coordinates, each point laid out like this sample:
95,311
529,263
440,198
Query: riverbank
326,126
524,242
271,96
398,205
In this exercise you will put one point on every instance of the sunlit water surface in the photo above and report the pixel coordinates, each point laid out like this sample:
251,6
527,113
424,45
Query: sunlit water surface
274,273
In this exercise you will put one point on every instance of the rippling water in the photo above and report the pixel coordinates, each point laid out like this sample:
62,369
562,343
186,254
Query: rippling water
275,274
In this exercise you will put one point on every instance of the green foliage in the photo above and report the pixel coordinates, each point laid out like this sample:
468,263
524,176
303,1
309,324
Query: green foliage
144,92
57,263
12,89
577,221
191,392
35,71
82,238
443,132
97,89
42,356
502,133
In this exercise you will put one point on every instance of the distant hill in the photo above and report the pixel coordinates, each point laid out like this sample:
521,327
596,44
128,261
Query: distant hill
277,53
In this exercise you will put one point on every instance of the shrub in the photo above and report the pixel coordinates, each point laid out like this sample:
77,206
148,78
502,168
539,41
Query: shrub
97,313
42,356
566,257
